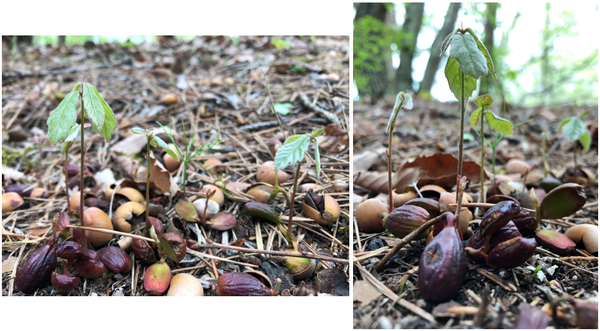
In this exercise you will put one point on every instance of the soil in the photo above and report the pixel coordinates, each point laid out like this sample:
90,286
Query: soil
218,87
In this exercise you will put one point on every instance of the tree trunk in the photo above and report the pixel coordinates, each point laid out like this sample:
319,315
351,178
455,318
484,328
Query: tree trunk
434,53
377,81
61,40
548,45
411,27
490,25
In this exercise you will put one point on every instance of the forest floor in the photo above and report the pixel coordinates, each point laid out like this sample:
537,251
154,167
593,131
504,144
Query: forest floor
210,85
489,297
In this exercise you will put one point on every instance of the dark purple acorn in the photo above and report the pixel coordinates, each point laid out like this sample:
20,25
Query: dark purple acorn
115,259
511,253
405,219
88,266
241,284
36,271
64,283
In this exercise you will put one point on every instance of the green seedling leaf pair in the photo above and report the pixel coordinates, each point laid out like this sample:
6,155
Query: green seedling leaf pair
155,141
499,124
62,120
468,55
294,148
574,129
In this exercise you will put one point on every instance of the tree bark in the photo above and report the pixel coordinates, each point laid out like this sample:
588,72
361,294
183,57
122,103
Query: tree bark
434,53
490,25
378,80
411,27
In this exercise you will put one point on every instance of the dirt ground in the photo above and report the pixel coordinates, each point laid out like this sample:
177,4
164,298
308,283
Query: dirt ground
213,85
489,297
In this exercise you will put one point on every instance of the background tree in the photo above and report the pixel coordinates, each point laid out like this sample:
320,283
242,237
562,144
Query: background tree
488,40
413,20
434,53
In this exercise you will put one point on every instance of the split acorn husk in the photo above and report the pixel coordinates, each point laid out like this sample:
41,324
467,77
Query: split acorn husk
323,209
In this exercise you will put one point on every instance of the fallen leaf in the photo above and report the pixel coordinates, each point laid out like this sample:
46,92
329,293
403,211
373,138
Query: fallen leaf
377,181
442,169
9,264
364,292
335,140
365,159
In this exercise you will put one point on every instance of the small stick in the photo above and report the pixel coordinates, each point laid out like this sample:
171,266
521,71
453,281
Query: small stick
407,239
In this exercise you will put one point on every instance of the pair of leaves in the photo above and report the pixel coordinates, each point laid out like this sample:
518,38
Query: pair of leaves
156,141
402,101
499,124
573,128
62,120
469,56
294,148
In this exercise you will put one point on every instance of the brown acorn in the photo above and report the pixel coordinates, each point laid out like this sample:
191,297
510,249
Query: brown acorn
11,201
370,214
404,220
115,259
214,166
96,218
323,209
36,271
443,265
266,173
241,284
217,196
300,267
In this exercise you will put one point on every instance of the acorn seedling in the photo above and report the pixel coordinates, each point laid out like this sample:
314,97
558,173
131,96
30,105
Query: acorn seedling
155,141
62,124
292,152
574,129
188,146
402,101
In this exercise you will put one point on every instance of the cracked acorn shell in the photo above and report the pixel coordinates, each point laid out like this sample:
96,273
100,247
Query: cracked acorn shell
126,215
323,209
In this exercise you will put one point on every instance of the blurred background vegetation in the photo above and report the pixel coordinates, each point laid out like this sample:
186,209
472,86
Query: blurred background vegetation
544,54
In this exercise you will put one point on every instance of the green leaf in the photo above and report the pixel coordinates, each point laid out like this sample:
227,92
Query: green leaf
317,133
168,249
562,123
447,41
93,107
582,115
486,54
585,140
573,129
110,122
317,158
70,138
283,107
403,100
291,152
453,73
293,138
475,117
467,136
161,143
499,124
464,50
485,101
63,117
138,131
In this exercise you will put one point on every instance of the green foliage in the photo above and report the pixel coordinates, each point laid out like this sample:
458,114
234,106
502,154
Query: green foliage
62,119
453,74
402,101
574,129
464,49
294,148
281,44
155,141
372,40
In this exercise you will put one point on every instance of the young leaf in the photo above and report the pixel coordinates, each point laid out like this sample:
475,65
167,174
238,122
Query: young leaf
93,107
464,50
485,101
485,53
475,117
573,129
63,117
453,73
585,140
70,138
501,125
402,101
161,143
291,153
317,133
138,131
110,122
168,249
293,138
447,41
317,158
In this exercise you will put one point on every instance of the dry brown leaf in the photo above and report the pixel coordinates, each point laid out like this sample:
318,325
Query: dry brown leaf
378,181
441,169
335,139
365,159
9,264
364,292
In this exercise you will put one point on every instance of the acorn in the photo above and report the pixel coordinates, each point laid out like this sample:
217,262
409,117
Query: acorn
300,267
38,193
401,199
170,163
168,99
218,195
261,193
143,251
266,174
516,166
370,214
404,220
185,285
36,271
211,210
11,201
214,165
115,259
157,278
128,215
96,218
89,266
174,246
20,189
323,209
241,284
587,233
